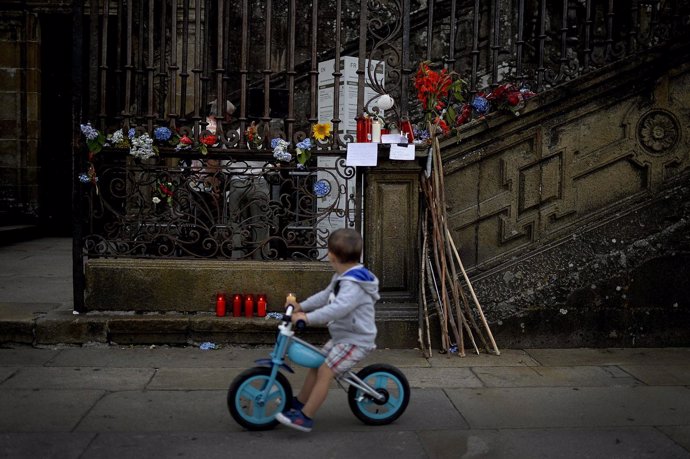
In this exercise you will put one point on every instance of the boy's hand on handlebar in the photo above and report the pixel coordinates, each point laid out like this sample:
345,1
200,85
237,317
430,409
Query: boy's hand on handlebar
295,304
297,316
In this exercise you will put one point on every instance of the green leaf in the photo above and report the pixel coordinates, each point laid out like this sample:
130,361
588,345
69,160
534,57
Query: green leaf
303,156
94,145
450,116
456,89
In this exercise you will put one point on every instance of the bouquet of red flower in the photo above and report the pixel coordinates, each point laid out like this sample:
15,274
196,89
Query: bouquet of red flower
440,93
252,135
510,97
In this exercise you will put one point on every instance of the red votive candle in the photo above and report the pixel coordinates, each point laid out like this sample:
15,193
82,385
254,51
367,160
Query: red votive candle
237,305
261,305
220,304
363,129
249,305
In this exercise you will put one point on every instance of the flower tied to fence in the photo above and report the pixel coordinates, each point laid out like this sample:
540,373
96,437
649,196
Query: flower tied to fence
254,139
441,93
166,190
320,131
448,105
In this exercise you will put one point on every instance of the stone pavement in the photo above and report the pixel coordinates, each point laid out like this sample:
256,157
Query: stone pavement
140,402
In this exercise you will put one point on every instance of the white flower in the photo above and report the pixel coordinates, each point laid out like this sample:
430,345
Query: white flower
142,147
156,200
117,137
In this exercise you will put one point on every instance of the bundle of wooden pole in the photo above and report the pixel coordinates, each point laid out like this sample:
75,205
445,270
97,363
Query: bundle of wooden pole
440,262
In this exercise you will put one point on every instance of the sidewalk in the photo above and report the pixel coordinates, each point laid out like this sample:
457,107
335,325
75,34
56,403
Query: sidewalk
107,401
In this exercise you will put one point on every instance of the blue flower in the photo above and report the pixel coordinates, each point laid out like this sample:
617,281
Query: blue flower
282,156
481,105
85,178
322,188
162,133
280,147
420,134
89,132
305,144
274,142
131,133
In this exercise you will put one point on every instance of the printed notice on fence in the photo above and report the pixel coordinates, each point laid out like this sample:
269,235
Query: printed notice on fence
404,152
362,154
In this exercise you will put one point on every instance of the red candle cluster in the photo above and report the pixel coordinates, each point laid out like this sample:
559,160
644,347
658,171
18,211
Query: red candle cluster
246,305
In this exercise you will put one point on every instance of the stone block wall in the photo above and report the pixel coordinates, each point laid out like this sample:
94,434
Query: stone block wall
190,286
20,94
574,218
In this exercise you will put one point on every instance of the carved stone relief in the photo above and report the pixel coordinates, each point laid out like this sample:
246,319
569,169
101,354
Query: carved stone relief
536,185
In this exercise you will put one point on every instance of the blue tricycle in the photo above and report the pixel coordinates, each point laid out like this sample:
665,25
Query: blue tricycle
377,394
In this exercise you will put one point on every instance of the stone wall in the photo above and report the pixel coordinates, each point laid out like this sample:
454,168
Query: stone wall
20,81
574,218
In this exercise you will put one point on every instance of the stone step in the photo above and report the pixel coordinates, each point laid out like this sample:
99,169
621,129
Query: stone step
64,327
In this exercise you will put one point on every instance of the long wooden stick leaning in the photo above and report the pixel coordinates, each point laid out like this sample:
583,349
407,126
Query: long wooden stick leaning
476,301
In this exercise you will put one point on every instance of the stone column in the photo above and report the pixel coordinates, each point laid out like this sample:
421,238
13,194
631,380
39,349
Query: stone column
392,233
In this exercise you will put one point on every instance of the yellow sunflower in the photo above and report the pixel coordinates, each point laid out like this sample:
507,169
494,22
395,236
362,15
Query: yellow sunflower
321,130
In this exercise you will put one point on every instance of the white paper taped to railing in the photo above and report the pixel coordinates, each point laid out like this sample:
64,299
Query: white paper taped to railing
362,154
402,152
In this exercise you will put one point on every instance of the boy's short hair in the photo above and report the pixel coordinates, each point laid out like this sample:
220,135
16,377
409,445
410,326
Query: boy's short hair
346,245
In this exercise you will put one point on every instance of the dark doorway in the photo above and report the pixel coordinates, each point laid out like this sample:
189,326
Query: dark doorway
55,151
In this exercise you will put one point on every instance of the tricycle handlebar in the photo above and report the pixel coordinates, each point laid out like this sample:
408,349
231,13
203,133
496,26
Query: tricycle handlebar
287,318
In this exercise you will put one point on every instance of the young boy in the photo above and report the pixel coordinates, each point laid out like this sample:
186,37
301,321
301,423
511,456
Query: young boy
347,306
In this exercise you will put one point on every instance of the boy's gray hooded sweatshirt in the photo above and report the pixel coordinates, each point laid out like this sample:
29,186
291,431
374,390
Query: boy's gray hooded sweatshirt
350,314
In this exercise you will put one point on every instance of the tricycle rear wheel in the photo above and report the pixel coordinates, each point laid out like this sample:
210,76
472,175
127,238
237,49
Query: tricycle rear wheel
390,382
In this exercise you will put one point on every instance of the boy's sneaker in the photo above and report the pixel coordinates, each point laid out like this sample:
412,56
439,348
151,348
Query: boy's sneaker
295,419
296,404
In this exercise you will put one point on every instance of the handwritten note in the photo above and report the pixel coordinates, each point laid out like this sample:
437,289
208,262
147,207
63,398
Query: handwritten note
403,152
393,138
362,154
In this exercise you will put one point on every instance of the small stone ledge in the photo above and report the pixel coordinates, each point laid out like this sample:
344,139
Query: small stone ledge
20,331
70,330
175,329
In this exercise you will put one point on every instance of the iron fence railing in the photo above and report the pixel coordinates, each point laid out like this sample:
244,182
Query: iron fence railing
166,62
195,206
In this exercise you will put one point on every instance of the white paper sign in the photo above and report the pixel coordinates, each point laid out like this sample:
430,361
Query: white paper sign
393,138
362,154
404,152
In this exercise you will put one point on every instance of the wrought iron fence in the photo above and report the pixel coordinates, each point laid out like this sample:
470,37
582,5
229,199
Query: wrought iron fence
190,205
166,62
214,67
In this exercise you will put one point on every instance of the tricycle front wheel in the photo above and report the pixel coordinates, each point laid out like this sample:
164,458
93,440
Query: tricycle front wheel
250,405
386,380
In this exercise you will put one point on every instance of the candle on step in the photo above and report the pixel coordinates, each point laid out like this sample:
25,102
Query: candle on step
261,305
249,305
237,305
220,304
